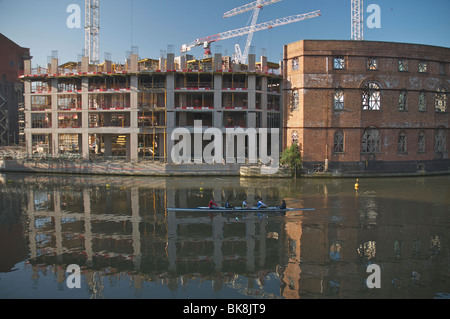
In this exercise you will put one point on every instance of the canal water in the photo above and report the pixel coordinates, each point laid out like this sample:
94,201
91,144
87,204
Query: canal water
390,238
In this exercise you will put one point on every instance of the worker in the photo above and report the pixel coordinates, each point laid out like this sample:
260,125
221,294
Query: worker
212,204
261,204
283,205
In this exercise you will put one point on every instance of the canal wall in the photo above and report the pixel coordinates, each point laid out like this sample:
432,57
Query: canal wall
77,166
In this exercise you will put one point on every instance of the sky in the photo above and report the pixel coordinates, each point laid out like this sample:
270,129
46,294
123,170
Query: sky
156,26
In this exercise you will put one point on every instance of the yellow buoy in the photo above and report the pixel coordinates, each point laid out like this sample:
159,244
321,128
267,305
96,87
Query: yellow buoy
357,184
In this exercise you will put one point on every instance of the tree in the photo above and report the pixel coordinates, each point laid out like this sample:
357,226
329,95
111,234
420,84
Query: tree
292,157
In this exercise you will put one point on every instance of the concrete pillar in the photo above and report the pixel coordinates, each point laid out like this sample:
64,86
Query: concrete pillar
85,145
251,119
218,118
85,64
264,64
134,110
218,107
132,146
251,95
251,62
217,62
133,67
27,67
264,101
54,66
28,141
170,63
107,66
54,140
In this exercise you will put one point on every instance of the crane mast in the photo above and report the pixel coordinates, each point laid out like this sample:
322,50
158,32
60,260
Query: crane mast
206,42
357,20
91,30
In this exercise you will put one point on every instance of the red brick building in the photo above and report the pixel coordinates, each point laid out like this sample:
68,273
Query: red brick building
361,107
12,58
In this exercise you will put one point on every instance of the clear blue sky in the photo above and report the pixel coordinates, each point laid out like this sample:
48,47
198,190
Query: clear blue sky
154,25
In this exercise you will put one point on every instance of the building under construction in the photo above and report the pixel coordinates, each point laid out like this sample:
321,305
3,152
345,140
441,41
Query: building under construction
115,110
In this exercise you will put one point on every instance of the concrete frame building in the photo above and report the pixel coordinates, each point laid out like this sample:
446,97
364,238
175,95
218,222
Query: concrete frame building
129,109
358,107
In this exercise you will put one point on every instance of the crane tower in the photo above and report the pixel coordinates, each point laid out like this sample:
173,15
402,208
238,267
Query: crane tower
91,30
357,20
256,6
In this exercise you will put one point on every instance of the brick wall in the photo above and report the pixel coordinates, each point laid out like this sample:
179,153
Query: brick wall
316,80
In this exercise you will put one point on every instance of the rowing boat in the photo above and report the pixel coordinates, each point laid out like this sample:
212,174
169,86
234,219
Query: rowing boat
237,209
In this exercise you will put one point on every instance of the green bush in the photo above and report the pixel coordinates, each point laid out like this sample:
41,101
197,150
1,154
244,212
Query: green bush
292,157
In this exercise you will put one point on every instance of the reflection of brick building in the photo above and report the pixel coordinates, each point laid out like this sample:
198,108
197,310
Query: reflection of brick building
360,106
11,89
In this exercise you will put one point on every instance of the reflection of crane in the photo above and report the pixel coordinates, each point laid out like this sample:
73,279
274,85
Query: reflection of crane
357,20
256,7
206,42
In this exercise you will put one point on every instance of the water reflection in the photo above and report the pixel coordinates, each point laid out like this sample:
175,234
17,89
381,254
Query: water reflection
128,245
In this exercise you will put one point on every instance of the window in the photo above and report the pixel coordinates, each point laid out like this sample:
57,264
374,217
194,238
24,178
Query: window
422,66
371,99
442,67
440,143
440,101
402,101
295,100
421,143
339,63
339,99
338,142
371,141
372,64
422,102
402,142
403,65
295,137
295,64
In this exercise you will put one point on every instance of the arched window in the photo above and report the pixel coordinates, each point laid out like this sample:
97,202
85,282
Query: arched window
440,143
440,100
421,142
402,142
339,99
371,141
422,101
371,99
338,142
402,98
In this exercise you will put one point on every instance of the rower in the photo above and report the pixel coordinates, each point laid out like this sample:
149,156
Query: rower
228,205
283,205
244,204
212,204
261,204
